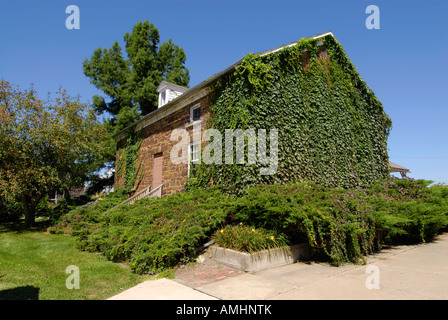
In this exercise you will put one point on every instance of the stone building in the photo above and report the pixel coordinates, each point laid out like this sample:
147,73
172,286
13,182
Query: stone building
187,110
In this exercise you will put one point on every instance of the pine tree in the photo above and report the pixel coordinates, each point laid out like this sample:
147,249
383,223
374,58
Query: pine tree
132,82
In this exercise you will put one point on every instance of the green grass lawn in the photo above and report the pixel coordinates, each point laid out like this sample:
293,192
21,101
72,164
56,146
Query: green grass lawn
33,266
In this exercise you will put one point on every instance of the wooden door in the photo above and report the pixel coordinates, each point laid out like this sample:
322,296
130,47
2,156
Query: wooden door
157,171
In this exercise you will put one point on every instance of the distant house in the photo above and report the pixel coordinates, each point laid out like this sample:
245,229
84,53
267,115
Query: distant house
329,160
397,168
55,196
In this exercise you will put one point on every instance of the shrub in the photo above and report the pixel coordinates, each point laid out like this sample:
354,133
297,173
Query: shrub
10,211
248,238
86,215
151,234
64,206
408,211
332,220
343,225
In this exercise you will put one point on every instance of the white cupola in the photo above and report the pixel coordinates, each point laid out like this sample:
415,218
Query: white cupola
169,91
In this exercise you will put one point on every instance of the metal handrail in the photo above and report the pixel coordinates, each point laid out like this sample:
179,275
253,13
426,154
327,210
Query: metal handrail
145,193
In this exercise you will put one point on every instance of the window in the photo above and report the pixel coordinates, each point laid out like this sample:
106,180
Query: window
194,152
193,157
195,113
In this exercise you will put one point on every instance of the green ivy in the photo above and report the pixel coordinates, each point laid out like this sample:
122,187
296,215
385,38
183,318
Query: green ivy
332,128
126,162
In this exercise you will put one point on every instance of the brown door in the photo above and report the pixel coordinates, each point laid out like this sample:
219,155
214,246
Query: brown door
157,171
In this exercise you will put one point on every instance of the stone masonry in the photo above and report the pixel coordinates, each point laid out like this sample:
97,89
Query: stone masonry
156,142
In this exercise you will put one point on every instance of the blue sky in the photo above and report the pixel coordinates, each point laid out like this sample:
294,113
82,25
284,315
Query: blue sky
405,62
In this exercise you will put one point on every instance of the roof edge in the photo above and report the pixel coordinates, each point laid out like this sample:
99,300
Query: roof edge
211,79
165,83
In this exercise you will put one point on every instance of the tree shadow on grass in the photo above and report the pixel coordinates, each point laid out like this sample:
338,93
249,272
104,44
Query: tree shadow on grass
19,227
20,293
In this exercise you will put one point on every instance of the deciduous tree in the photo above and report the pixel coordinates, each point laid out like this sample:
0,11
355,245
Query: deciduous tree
45,145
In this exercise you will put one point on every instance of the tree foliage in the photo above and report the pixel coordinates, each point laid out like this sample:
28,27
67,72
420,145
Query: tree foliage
45,145
129,80
132,81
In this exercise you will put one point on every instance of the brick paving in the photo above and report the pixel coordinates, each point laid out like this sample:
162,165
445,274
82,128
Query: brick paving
209,271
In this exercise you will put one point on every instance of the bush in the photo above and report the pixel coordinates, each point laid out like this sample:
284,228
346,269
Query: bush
407,211
332,220
10,211
151,234
248,238
85,216
64,206
343,225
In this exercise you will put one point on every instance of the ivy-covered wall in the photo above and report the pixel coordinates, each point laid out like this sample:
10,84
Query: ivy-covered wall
331,128
126,171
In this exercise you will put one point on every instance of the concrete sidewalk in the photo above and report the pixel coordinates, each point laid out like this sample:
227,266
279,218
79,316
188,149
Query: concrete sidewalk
402,272
161,289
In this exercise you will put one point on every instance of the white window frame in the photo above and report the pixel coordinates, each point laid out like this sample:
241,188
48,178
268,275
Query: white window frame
196,106
191,152
162,98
